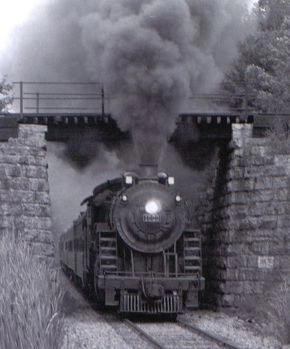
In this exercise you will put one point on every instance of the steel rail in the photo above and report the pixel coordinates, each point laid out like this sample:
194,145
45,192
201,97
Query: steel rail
213,337
143,334
219,340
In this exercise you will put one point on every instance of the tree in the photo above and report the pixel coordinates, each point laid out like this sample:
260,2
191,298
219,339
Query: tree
262,70
5,97
272,14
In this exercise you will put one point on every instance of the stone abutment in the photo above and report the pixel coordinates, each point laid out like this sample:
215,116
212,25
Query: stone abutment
246,222
25,209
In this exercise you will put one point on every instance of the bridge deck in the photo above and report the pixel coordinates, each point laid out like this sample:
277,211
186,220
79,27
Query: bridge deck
92,118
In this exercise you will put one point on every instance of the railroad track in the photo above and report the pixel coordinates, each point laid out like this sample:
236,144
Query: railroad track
170,335
89,321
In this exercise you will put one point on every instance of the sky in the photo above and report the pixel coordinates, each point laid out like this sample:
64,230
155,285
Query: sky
17,12
14,13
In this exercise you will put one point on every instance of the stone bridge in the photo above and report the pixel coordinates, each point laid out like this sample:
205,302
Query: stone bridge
243,209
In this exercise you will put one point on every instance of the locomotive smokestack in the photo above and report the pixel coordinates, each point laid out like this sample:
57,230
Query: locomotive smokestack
149,148
148,170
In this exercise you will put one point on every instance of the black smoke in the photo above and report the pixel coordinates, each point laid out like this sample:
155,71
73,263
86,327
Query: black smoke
151,56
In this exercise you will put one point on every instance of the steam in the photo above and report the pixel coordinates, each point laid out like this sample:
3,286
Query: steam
69,186
151,56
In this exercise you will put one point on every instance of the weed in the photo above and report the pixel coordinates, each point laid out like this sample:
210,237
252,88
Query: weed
30,299
270,311
278,311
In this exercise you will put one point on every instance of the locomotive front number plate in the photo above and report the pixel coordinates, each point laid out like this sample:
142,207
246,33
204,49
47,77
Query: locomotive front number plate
151,218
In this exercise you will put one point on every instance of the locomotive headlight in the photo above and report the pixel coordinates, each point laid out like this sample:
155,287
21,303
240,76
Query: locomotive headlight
152,207
178,198
124,198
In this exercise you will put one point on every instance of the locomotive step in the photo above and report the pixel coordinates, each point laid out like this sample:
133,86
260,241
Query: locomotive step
192,258
108,248
109,266
108,257
187,239
102,239
191,267
191,249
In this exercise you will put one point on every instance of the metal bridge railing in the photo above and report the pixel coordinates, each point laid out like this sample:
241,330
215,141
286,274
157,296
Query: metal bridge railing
53,97
90,97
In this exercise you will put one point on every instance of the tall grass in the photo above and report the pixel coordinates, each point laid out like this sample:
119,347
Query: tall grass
278,311
30,298
271,309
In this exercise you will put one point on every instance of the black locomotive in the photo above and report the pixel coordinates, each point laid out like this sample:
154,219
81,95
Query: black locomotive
134,248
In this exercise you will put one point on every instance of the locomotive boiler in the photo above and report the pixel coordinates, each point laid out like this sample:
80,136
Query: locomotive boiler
134,247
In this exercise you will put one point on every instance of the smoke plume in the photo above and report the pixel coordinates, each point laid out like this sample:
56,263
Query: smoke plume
151,56
69,186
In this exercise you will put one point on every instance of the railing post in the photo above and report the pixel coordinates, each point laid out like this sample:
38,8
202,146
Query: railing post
21,97
37,102
103,101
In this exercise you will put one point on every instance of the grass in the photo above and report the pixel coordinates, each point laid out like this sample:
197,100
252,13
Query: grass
30,299
277,311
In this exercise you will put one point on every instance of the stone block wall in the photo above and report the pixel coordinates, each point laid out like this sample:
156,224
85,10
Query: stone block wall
25,210
246,222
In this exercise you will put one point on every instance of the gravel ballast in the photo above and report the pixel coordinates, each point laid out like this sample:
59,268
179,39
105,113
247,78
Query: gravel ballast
85,328
239,331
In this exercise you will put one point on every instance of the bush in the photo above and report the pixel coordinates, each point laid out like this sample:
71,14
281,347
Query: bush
279,136
30,299
270,311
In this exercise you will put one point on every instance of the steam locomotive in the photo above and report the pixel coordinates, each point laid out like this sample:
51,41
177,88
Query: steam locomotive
134,248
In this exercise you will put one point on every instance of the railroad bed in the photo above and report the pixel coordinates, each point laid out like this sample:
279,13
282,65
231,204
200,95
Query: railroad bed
180,335
87,327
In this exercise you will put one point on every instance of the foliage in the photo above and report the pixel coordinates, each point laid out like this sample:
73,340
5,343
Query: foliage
30,298
279,136
269,311
278,311
5,97
272,14
262,70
